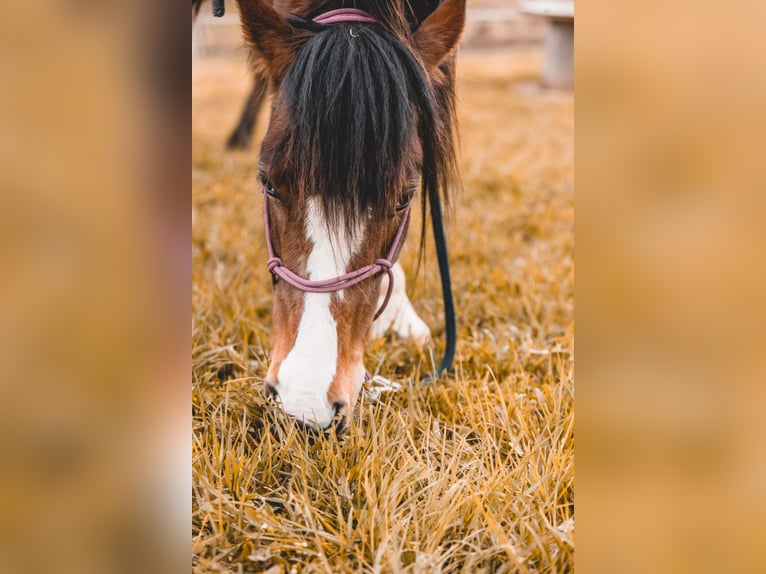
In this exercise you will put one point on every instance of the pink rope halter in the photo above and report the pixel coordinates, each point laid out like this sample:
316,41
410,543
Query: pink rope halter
345,15
383,265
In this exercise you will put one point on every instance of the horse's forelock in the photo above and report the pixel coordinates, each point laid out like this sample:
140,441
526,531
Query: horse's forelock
356,106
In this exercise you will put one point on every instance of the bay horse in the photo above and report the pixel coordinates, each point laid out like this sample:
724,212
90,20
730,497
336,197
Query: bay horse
362,119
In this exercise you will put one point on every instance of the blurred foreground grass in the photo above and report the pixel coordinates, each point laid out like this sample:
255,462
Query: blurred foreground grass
473,474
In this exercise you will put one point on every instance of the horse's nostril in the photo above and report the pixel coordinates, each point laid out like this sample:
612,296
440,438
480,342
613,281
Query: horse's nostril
340,417
271,390
338,406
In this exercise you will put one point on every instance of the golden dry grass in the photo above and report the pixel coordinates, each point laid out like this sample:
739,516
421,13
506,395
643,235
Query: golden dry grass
474,474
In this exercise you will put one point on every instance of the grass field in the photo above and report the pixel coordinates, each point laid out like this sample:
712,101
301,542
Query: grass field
474,474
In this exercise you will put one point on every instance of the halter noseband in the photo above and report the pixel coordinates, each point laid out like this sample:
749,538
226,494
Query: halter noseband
278,269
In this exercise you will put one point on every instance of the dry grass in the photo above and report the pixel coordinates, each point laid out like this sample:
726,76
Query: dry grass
474,474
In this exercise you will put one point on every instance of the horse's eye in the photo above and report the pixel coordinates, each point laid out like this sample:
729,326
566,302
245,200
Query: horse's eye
406,201
267,185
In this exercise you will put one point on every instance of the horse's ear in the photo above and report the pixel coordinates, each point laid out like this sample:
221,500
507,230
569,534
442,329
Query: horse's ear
272,38
438,34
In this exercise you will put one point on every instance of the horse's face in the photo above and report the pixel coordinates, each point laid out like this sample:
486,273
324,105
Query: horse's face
316,369
350,132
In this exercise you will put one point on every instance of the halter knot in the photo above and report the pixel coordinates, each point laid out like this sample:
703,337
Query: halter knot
273,263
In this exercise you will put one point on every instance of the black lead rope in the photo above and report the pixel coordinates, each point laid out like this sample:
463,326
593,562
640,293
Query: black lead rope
437,222
218,8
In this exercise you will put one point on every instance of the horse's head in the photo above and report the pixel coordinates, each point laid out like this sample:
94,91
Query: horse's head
361,118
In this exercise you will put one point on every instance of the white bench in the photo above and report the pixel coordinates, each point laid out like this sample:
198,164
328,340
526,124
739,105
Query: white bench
558,61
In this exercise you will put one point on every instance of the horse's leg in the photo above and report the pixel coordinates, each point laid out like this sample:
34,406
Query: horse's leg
196,5
399,314
243,133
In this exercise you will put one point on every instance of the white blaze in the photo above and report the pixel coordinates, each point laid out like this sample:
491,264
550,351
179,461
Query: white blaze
306,373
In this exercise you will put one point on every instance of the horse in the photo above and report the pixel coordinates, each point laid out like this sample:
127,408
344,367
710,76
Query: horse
362,120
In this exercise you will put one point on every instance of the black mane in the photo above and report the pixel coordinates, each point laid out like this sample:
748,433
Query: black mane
358,101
